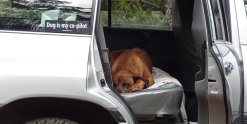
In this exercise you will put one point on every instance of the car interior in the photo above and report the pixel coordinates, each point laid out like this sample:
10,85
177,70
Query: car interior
179,51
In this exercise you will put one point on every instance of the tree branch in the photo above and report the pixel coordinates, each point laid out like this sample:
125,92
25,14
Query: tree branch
150,5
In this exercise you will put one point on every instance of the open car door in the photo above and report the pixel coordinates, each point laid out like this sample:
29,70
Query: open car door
220,93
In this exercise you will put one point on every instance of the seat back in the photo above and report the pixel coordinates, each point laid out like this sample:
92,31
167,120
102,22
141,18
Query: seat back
199,34
187,53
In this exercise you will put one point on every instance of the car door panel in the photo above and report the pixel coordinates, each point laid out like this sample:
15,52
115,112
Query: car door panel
215,93
231,75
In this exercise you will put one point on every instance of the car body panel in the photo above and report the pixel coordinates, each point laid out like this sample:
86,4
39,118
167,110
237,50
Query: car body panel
232,78
55,66
216,99
36,64
244,51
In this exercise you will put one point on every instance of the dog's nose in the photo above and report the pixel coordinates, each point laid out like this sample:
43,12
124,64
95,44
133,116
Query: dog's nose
125,85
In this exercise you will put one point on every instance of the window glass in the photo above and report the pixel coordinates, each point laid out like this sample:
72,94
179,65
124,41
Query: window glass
219,20
151,14
59,16
104,12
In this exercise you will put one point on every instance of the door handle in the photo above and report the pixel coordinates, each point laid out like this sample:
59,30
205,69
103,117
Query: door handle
228,67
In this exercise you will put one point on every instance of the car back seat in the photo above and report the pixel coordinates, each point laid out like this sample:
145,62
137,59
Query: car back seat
162,99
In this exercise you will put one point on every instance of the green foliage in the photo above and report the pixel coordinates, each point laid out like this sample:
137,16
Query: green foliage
3,8
6,10
131,13
27,9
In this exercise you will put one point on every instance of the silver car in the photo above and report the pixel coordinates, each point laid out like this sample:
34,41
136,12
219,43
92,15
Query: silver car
54,66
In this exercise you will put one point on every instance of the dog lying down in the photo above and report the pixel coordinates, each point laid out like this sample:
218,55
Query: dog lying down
131,70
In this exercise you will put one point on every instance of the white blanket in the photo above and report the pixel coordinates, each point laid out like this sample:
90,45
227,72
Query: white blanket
162,78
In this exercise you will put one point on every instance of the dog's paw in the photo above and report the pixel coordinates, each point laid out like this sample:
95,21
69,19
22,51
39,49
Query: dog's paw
139,85
134,90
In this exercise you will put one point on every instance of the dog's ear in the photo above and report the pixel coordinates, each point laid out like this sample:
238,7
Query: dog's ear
145,80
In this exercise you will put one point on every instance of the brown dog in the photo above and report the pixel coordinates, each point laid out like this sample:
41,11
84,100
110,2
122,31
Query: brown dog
131,70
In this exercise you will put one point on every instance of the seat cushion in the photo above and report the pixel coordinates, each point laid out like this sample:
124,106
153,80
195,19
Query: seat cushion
162,98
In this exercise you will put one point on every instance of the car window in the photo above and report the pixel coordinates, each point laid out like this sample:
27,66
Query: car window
148,14
219,20
59,16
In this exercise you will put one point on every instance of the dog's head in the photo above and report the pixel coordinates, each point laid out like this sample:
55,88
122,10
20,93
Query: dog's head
125,82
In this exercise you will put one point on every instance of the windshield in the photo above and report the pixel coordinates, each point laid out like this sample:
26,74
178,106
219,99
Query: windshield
58,16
